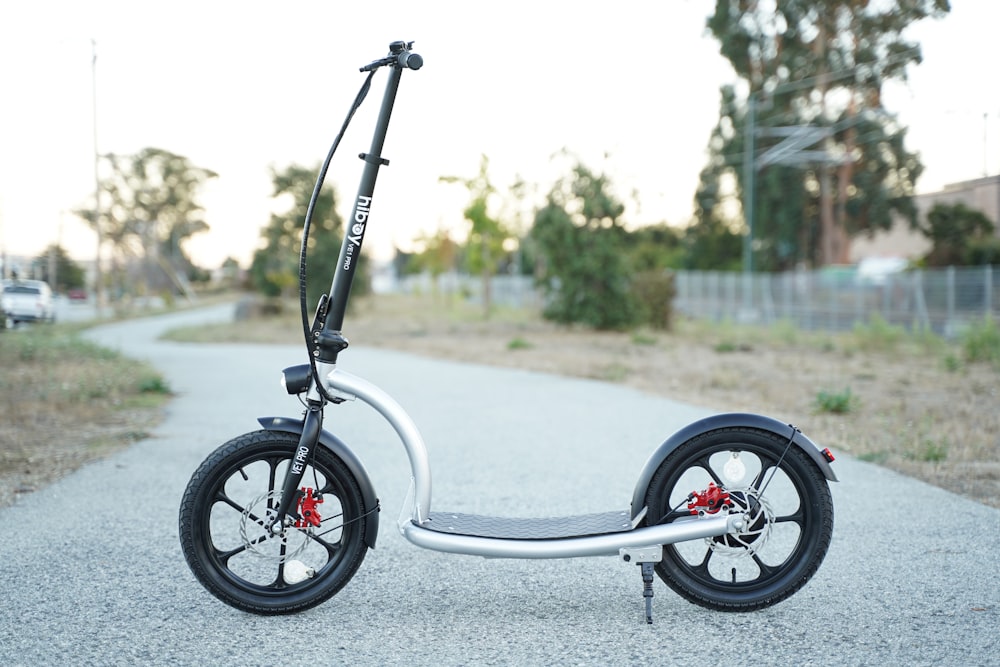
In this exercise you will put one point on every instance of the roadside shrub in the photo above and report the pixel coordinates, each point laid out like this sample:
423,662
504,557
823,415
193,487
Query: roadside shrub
785,331
654,293
929,451
878,334
952,364
519,344
981,342
639,338
838,403
154,384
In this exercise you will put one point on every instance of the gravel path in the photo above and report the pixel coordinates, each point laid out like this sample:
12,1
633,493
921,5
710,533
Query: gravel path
93,573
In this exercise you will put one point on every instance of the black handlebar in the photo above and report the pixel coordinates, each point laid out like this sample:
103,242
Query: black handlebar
410,60
399,56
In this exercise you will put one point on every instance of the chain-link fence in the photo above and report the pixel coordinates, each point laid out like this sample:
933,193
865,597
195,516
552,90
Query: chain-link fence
941,300
505,290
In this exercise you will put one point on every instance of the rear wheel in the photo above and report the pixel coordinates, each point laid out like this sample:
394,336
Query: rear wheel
232,498
789,518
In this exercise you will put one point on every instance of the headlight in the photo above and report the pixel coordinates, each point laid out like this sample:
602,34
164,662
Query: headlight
295,379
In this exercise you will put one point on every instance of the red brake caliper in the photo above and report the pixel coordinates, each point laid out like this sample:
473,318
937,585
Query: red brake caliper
307,509
711,500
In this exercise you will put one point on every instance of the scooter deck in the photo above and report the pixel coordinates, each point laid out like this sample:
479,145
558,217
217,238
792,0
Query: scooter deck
552,528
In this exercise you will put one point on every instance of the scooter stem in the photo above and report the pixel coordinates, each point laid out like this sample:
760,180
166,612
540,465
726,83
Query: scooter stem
330,340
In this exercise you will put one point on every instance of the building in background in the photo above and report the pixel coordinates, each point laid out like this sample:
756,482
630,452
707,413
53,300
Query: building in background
981,194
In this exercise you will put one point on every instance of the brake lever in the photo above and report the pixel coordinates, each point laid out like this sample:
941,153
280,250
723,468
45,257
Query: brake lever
375,64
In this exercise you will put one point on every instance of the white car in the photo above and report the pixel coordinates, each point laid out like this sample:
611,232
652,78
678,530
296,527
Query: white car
26,301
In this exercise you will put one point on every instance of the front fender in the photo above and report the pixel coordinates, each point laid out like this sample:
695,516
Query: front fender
353,463
726,420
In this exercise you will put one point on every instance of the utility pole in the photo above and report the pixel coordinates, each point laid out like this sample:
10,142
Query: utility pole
53,272
98,273
749,176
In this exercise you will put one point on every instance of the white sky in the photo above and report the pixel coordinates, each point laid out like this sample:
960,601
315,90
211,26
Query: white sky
239,86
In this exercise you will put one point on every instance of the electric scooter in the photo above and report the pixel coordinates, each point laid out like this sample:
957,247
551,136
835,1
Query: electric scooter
732,512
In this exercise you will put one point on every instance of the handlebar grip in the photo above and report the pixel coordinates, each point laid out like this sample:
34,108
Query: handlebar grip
410,60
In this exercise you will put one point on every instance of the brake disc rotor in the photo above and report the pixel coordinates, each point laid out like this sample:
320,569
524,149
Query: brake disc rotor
258,540
758,523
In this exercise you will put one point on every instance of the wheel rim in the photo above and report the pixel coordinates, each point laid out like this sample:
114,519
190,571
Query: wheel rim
242,553
782,527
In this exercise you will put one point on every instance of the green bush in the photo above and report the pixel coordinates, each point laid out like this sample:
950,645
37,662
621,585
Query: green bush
153,384
584,267
640,338
838,403
878,334
654,293
981,342
930,452
952,364
519,344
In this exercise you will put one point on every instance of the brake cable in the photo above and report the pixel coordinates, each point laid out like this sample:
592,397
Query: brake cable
307,329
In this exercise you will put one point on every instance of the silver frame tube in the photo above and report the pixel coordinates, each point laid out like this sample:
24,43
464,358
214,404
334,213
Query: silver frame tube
348,386
570,547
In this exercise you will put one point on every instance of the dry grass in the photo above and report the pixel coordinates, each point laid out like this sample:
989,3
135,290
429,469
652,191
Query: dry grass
910,403
65,402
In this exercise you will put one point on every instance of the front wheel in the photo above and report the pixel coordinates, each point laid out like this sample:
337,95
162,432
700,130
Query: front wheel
789,518
233,497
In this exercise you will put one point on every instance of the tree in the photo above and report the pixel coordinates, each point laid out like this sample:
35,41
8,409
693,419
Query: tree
485,246
229,272
829,162
960,235
580,240
439,255
274,270
713,242
711,246
59,271
654,247
149,208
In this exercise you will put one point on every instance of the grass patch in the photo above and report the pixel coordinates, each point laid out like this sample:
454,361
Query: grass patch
952,363
286,329
923,443
56,386
835,402
519,344
728,346
878,335
981,342
614,372
153,384
929,451
878,457
639,338
786,332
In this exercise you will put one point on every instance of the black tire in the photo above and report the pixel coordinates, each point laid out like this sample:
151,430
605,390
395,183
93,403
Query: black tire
222,517
790,524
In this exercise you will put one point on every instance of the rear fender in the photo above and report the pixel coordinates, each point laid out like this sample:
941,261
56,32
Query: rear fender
353,463
715,422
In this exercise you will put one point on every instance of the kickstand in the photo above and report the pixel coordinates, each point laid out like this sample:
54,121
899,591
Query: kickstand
645,557
647,589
